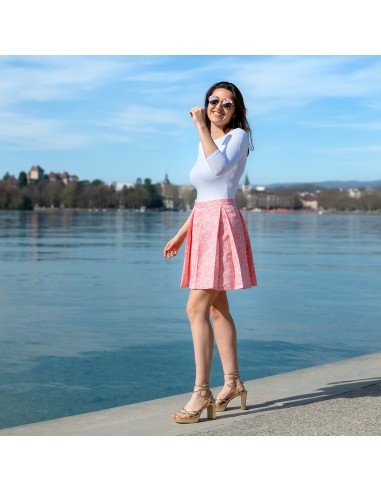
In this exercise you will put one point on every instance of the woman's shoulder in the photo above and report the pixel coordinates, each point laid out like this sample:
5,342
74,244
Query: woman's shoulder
237,137
238,132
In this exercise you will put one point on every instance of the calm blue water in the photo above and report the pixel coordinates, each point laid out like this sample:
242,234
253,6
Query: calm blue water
92,316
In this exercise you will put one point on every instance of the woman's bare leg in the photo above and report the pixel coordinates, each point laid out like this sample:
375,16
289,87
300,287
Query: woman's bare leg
198,309
226,339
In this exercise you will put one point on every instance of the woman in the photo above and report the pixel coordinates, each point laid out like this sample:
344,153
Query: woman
218,254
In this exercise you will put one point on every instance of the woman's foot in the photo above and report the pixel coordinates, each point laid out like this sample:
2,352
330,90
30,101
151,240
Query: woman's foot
232,388
201,398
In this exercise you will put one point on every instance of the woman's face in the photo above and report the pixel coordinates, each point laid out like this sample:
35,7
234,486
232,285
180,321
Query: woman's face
218,115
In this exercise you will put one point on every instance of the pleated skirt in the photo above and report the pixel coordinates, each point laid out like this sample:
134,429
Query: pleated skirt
218,252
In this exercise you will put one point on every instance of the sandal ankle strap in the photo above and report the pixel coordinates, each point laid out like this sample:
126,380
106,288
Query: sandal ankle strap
203,387
233,376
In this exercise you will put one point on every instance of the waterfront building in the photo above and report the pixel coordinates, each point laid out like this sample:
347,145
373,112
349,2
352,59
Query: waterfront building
36,173
246,187
309,201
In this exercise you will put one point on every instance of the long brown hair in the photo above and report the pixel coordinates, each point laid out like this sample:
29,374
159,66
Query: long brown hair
239,119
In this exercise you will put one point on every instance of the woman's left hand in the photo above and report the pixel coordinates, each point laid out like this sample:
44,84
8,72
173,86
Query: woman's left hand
172,247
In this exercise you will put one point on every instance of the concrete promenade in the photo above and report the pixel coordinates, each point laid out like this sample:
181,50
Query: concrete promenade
339,398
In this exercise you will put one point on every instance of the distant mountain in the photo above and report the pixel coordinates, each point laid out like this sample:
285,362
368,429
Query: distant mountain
326,184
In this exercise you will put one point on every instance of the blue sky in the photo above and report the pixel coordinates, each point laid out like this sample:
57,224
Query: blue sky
116,118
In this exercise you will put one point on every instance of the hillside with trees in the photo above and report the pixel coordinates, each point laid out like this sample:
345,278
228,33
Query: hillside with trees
28,192
35,190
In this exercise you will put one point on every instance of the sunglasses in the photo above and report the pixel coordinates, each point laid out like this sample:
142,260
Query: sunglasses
226,103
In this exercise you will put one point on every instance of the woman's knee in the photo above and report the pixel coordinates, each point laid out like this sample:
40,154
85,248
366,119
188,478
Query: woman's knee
215,313
220,308
193,309
198,306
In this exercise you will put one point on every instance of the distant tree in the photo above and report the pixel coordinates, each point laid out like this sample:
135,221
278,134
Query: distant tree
101,196
133,198
23,179
296,202
69,196
330,199
5,194
10,194
54,193
26,203
155,200
369,200
240,199
192,197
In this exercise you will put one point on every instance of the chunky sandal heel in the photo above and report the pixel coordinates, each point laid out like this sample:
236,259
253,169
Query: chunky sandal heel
222,403
211,411
243,400
185,416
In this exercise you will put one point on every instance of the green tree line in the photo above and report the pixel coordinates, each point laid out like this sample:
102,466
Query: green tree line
18,194
340,200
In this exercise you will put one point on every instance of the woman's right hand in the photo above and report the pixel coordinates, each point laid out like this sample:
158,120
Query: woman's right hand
198,115
172,247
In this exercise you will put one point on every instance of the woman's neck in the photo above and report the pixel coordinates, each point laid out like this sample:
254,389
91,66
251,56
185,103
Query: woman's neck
218,132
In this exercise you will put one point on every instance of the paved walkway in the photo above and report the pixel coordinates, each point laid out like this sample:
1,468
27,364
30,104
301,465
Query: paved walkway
340,398
355,413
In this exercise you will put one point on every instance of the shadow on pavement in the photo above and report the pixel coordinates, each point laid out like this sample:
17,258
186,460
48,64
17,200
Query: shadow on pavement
340,389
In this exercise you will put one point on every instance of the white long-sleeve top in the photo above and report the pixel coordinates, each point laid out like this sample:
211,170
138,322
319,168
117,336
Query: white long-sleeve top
217,176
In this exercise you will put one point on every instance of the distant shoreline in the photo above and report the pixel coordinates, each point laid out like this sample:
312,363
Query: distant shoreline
261,211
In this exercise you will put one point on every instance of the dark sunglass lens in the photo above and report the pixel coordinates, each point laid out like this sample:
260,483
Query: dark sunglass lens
213,101
227,105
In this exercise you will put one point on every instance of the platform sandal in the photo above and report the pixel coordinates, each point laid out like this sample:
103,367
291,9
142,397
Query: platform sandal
222,403
192,416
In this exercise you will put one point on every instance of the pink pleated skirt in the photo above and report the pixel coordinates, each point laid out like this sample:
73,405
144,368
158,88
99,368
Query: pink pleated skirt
218,252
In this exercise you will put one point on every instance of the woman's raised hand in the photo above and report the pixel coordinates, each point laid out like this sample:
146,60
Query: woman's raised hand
198,115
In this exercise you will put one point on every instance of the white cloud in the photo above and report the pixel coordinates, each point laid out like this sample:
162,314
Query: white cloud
266,80
275,82
162,90
23,132
146,119
56,78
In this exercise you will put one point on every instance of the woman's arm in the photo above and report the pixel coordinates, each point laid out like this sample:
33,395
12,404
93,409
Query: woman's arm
208,145
237,146
174,244
219,161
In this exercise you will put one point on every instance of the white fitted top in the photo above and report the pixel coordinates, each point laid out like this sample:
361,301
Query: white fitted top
217,176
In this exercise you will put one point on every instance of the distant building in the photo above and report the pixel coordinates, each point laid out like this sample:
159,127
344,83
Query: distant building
53,176
120,186
64,177
187,196
246,187
258,197
354,193
309,201
36,173
261,198
169,193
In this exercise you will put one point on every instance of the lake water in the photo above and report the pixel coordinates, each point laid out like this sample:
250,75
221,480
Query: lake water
92,315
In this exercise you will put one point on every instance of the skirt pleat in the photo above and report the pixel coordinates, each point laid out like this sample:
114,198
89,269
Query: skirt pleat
218,252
